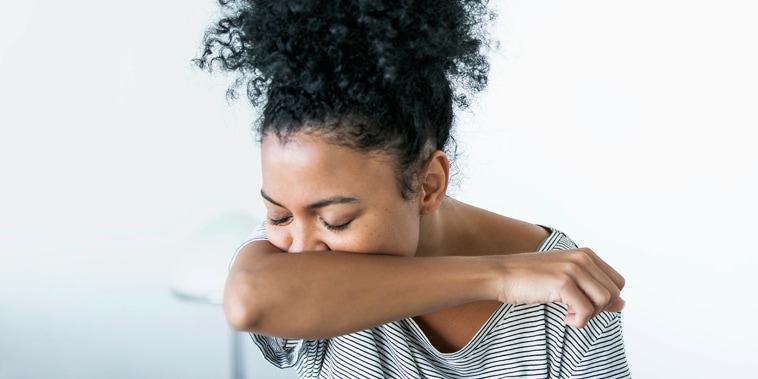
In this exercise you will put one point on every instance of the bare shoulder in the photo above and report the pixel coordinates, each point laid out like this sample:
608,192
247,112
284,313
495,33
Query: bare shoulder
499,234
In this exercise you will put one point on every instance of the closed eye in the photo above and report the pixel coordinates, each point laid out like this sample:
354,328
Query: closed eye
280,221
336,228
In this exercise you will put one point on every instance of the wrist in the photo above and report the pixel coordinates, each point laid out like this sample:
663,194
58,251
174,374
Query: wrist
498,271
488,278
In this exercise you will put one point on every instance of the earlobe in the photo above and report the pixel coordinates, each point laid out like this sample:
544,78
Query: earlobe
435,179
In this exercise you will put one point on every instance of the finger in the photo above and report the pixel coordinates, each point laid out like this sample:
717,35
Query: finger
600,292
616,306
596,293
600,272
601,289
607,269
580,309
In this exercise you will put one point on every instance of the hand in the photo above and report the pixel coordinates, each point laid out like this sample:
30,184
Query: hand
577,278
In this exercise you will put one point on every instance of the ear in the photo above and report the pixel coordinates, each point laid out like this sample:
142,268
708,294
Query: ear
434,182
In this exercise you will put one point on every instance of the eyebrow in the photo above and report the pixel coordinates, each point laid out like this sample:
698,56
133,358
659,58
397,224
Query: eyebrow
319,204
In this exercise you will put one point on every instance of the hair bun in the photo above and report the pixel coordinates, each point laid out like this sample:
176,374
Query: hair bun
351,47
370,74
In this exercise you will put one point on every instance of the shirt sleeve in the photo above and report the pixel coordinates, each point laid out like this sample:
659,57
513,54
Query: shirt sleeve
258,235
306,356
595,351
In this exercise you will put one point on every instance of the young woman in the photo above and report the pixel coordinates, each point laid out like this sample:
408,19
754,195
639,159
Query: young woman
365,267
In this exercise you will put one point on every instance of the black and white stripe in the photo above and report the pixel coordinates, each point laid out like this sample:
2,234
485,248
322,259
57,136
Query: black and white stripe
518,341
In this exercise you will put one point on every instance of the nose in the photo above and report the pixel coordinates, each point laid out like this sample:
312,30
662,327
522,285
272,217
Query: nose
303,238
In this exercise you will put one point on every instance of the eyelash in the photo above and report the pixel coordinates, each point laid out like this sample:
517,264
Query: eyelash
279,221
334,228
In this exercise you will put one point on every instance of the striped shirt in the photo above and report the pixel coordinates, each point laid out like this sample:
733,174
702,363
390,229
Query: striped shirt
517,341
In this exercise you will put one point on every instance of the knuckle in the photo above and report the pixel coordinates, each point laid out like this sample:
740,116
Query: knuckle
583,310
605,298
567,267
584,258
565,282
570,267
615,293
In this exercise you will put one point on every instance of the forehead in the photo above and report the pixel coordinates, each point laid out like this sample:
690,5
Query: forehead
305,167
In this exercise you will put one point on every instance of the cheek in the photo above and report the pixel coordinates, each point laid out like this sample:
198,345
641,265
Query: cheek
398,232
361,237
377,235
277,237
391,230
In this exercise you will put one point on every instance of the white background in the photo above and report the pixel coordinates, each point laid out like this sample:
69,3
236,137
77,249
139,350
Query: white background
625,124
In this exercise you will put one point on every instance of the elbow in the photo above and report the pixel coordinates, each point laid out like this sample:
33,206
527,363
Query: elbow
242,302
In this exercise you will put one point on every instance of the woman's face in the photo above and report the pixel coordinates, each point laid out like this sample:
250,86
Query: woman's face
322,196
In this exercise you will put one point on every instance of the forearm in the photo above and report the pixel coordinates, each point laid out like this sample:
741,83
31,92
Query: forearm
321,295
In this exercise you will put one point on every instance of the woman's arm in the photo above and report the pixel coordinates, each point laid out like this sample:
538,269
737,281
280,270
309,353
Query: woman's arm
325,294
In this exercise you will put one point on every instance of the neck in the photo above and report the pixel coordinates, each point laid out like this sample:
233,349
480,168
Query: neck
443,232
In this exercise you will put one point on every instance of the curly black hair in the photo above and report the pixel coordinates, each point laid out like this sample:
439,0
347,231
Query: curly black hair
368,74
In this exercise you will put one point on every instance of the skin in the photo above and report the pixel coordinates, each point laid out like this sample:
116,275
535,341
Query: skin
309,185
361,255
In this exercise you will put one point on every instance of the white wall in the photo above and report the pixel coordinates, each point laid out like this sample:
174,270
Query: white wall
115,156
630,125
624,124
